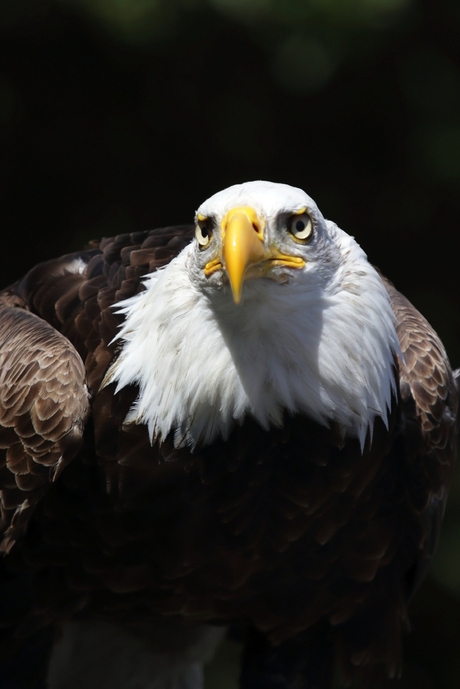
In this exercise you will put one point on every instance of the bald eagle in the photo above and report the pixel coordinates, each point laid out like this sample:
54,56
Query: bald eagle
239,424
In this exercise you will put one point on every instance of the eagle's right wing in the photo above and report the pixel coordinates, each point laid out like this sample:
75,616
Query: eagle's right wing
44,404
51,320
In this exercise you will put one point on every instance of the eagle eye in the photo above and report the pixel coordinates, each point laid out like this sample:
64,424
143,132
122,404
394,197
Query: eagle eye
203,232
301,227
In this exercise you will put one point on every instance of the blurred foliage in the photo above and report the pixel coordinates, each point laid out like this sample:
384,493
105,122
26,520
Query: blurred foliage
117,115
135,20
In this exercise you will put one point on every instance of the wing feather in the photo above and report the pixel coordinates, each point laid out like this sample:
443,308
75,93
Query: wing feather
43,407
429,404
425,374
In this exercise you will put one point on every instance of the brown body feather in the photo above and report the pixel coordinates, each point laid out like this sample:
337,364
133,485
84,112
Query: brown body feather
293,532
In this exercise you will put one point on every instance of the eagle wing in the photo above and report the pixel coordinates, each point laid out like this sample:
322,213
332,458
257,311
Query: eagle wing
429,406
56,328
43,408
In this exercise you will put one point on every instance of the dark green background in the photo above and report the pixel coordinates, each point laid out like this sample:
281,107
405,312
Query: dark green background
118,115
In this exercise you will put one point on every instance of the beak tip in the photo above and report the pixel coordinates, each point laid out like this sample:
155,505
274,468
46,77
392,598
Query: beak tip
237,297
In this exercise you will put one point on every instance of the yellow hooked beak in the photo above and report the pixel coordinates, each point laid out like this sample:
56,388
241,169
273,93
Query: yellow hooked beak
244,254
242,245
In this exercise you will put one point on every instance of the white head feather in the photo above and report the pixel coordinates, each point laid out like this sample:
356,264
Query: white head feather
319,340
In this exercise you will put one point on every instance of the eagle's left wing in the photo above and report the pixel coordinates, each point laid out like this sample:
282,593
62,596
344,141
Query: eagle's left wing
44,403
429,413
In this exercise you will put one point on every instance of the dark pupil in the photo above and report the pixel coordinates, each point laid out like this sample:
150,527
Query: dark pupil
300,225
204,232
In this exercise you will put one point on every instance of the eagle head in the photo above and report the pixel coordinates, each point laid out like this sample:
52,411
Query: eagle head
270,310
260,230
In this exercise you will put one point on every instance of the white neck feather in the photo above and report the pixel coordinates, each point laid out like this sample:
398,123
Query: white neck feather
202,363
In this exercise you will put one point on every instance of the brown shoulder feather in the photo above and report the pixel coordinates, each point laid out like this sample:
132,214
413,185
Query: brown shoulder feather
76,293
425,372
